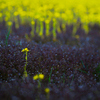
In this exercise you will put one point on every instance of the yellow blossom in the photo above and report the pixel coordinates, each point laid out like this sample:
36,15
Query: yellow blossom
35,77
57,14
32,22
15,13
9,23
47,21
25,50
41,76
47,90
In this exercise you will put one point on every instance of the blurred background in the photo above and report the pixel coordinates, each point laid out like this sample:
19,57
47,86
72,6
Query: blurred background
46,17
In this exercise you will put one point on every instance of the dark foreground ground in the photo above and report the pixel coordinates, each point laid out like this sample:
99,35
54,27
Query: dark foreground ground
75,65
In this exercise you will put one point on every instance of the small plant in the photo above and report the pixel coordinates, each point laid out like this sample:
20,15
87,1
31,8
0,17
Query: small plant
39,77
47,91
25,51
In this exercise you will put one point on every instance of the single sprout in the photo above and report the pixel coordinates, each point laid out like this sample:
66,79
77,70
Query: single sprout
35,77
25,51
47,90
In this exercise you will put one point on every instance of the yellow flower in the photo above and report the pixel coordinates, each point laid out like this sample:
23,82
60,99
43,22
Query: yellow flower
35,77
41,76
47,90
32,22
15,13
57,14
9,23
37,16
53,19
47,21
41,19
25,50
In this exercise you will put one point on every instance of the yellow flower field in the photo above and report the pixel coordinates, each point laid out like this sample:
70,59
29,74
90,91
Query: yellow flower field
58,11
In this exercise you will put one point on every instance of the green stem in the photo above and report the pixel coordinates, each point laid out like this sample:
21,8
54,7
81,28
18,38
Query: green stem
7,36
39,84
37,26
47,96
54,29
50,74
26,62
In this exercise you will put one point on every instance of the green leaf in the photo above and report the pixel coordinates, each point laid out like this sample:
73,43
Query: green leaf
50,74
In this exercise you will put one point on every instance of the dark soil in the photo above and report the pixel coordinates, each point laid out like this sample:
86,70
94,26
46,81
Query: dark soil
75,64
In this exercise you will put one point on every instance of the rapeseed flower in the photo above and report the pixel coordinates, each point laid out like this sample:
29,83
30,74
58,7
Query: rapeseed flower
40,76
32,22
35,77
9,23
25,50
47,90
